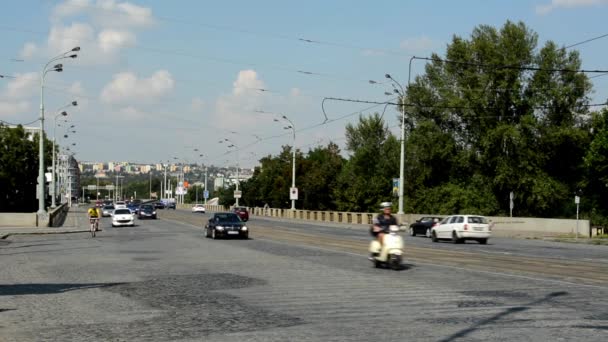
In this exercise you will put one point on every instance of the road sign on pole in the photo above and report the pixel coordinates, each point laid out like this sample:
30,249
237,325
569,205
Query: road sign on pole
92,187
293,193
237,193
205,194
577,201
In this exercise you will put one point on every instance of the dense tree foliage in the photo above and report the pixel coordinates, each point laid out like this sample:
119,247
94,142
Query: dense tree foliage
484,125
19,169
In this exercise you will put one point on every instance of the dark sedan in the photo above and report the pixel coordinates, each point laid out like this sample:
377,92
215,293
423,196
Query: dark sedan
146,211
226,225
424,225
159,205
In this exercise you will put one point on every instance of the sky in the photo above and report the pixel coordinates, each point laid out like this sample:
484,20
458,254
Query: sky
159,81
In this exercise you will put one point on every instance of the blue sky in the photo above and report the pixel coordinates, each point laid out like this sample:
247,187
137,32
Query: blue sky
157,79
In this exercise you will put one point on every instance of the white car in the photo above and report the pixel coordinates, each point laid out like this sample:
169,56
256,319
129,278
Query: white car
120,205
198,208
459,228
122,217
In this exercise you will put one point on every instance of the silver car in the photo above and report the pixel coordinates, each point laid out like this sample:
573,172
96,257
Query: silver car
107,210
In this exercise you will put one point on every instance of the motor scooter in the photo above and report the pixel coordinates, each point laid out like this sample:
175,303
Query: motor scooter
390,253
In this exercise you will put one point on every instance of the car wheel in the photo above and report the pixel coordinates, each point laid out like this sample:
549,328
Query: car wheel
483,241
245,236
428,233
412,231
434,237
213,234
455,238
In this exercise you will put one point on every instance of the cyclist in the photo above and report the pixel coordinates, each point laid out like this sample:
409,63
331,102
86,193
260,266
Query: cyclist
93,214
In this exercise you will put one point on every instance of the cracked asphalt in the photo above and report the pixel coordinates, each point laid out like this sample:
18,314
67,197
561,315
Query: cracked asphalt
163,281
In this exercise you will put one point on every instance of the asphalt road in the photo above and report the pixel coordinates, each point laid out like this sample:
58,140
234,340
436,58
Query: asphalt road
163,281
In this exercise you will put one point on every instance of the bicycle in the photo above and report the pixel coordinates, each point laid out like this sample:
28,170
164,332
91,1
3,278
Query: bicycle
94,225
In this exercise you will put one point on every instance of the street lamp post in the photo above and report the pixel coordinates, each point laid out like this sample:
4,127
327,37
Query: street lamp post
58,68
54,170
293,161
402,156
233,145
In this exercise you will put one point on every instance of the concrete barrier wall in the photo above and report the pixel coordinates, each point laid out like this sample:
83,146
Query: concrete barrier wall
502,226
18,219
57,216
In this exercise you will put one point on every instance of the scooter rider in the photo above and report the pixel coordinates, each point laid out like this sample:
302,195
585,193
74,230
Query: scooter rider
382,222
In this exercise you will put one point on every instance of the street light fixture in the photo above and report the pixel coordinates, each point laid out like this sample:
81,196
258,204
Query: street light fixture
57,68
402,154
293,163
54,170
233,145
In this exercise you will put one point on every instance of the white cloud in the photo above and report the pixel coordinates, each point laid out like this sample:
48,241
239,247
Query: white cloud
131,113
418,44
126,87
64,38
106,13
11,108
23,86
111,40
29,49
247,82
555,4
102,29
197,104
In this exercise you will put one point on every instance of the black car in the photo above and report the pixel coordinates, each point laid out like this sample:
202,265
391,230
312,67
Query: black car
226,225
146,211
424,225
159,205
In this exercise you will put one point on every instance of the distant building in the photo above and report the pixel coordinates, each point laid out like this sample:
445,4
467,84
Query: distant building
145,168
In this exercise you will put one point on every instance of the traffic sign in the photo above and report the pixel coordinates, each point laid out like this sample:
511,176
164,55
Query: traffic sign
110,187
237,193
293,193
92,187
205,194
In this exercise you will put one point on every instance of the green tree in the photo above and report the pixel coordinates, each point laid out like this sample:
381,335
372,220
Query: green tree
366,179
19,169
488,118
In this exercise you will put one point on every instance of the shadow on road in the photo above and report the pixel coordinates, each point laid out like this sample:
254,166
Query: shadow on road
38,289
50,250
500,315
3,310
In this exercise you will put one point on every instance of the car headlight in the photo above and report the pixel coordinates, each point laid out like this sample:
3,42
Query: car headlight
244,228
154,213
219,228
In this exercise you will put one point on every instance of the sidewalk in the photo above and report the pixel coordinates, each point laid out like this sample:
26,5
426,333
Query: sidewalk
74,223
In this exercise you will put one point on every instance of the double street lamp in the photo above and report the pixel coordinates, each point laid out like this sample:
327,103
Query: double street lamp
54,170
47,68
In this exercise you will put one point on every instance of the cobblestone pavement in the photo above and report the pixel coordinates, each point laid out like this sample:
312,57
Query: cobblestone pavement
163,281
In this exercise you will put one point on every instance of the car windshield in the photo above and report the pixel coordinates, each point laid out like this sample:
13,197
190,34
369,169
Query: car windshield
227,218
477,219
146,207
121,211
426,219
109,207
